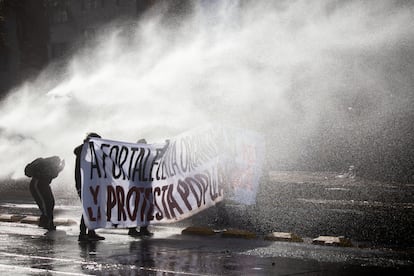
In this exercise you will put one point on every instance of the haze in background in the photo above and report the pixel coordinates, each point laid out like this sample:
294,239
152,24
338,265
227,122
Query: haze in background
328,83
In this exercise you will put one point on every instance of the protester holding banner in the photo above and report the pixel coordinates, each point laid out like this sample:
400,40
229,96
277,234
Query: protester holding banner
43,171
143,229
85,234
125,185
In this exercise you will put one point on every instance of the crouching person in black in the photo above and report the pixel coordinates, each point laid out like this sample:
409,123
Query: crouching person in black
85,234
43,171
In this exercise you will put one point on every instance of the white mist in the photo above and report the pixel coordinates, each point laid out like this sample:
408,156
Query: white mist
280,68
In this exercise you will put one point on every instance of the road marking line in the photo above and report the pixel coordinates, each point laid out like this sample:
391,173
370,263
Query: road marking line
171,271
46,258
365,203
36,270
84,263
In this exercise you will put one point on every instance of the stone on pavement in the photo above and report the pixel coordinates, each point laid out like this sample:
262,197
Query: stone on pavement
333,241
30,220
194,230
236,233
64,222
34,220
10,218
283,236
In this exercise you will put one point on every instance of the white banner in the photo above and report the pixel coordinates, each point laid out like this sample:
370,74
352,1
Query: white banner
128,184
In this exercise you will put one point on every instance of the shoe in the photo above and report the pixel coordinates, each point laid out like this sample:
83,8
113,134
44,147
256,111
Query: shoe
133,232
143,231
51,227
48,225
83,238
92,236
43,221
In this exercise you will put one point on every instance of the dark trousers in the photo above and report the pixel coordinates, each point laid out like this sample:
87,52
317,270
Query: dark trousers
42,194
82,226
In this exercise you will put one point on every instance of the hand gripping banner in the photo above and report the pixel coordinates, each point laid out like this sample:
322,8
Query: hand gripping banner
128,184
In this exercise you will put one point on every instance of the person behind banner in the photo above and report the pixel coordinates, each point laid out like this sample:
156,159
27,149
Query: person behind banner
84,234
143,229
43,171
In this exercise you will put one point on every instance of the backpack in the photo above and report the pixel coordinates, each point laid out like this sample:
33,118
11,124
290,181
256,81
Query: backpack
43,168
30,169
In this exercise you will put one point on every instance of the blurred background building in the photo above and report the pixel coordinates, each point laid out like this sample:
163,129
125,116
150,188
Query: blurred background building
35,33
24,40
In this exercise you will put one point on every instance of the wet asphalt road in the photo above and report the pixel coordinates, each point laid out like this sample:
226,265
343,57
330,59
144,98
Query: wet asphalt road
370,213
376,216
26,250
